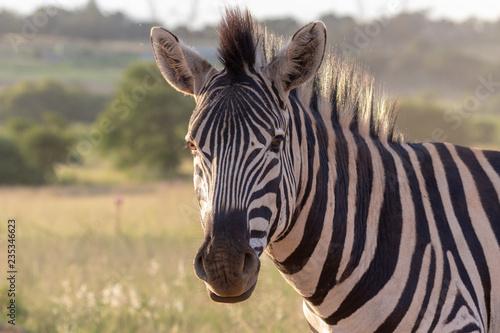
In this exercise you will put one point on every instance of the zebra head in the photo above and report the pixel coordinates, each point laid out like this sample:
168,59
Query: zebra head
239,134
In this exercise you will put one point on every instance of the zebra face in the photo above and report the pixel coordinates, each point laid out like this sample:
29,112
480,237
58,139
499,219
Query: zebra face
237,135
243,171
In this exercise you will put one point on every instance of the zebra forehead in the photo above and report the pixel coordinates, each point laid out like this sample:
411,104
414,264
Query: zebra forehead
246,105
249,84
233,118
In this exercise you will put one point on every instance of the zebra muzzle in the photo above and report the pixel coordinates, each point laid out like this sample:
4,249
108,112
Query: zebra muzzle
229,272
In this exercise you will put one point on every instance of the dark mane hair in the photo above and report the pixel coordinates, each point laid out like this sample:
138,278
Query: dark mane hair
348,90
238,32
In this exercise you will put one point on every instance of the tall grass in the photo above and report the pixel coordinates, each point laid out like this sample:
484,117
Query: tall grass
77,273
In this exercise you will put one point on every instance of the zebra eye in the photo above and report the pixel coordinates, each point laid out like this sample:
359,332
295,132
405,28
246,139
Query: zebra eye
192,146
276,142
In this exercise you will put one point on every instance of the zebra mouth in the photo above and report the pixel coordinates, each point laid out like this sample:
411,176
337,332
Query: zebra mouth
232,299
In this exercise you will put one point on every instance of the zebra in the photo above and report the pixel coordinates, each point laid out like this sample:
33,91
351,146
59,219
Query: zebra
295,154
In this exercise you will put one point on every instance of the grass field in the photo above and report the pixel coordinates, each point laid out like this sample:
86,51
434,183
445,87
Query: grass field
96,65
78,273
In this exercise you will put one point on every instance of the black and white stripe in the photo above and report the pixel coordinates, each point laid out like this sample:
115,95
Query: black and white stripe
376,235
228,135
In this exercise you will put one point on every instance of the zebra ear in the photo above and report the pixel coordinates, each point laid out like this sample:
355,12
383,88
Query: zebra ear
299,61
180,65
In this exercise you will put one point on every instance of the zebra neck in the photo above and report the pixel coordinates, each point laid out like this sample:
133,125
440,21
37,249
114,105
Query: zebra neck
345,179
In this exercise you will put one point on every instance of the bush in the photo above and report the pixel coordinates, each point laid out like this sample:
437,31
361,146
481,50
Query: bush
41,148
13,168
146,122
33,99
32,149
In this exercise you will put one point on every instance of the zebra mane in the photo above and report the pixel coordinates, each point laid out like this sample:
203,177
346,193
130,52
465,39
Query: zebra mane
341,89
239,36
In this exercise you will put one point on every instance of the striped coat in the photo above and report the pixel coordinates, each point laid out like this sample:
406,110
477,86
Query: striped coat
302,162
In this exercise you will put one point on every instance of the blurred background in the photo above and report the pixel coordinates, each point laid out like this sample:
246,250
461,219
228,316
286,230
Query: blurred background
91,160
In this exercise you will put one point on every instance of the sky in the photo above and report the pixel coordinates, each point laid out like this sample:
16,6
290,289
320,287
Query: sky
198,13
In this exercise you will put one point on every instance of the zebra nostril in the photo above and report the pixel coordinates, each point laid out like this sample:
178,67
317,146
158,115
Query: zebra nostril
199,269
250,264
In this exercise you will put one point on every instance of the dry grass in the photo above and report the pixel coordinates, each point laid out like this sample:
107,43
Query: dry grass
76,274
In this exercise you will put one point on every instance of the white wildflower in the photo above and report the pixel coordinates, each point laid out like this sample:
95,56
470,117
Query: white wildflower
113,295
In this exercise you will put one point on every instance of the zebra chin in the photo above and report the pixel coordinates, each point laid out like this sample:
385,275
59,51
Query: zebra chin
232,299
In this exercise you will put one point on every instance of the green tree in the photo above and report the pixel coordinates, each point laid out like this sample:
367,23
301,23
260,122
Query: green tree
16,126
146,121
33,99
13,168
55,121
29,153
41,148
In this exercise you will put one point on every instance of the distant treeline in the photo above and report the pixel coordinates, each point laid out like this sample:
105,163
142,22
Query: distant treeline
32,99
48,126
407,50
446,74
391,27
87,22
